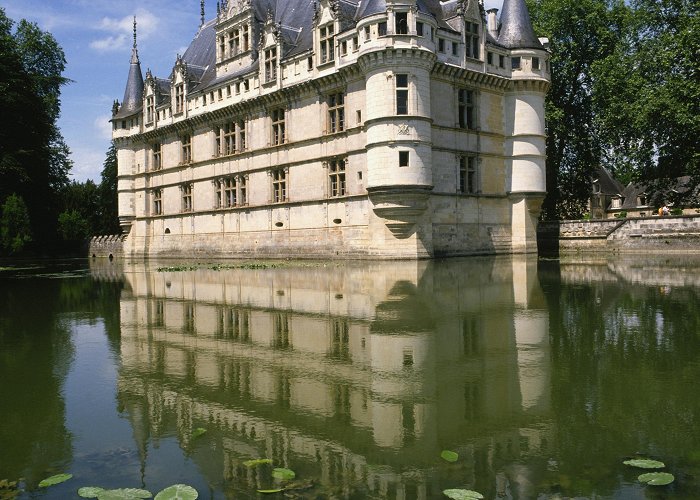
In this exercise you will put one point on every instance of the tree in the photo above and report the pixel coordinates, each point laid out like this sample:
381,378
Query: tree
107,191
15,226
648,96
34,160
580,32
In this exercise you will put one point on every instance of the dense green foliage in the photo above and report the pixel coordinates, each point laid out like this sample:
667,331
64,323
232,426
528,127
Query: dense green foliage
625,94
41,210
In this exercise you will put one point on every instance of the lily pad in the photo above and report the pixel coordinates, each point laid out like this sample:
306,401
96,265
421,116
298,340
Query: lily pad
656,478
285,474
458,494
450,456
257,461
58,478
645,463
124,494
198,432
90,491
177,492
267,492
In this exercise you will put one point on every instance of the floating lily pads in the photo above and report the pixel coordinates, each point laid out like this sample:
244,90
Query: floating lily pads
178,492
459,494
198,432
257,461
450,456
58,478
284,474
645,463
267,492
90,491
656,478
124,494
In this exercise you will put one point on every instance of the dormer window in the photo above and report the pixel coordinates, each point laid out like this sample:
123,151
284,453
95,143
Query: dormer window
234,42
270,64
472,40
401,23
179,98
150,108
327,40
245,38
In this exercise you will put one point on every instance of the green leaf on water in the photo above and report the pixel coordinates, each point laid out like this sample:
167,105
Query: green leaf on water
645,463
256,462
90,491
457,494
177,492
450,456
285,474
198,432
124,494
58,478
656,478
266,492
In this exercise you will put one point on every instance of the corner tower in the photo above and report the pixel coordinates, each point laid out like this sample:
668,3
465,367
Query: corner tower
126,120
525,123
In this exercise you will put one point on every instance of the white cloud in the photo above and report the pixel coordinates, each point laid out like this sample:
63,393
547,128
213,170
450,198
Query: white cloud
103,127
87,164
121,30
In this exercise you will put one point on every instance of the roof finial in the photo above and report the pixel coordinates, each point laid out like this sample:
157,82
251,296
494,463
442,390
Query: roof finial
202,11
134,50
134,31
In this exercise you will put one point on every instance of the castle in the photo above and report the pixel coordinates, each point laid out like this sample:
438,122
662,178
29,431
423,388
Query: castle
343,128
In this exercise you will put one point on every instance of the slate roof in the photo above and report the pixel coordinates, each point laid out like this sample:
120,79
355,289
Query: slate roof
294,21
516,28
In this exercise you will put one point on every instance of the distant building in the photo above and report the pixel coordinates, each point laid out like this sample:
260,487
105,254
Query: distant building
610,199
380,128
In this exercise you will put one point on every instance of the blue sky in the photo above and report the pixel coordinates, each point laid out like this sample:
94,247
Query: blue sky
96,36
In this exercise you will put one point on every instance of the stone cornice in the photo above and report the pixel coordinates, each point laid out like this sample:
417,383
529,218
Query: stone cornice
471,77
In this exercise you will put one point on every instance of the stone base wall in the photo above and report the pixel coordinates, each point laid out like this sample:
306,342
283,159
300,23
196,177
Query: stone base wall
679,234
110,246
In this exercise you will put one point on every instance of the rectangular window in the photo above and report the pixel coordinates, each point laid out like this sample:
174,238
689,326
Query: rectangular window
535,63
270,64
344,48
234,42
401,25
150,109
219,194
355,44
156,151
381,29
489,57
403,158
419,28
245,45
515,62
465,109
501,61
242,190
455,48
441,45
278,128
157,202
279,185
472,40
222,48
467,175
229,192
366,34
402,94
327,39
336,112
179,98
336,173
187,197
186,148
240,131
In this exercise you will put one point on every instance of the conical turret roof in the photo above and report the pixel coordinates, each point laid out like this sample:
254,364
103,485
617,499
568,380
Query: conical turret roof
516,28
133,94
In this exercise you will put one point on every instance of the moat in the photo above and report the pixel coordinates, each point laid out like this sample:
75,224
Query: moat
543,376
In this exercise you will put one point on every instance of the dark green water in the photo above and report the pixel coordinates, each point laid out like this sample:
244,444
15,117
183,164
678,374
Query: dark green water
544,376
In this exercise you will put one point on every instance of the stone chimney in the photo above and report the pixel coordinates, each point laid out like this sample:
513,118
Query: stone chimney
492,22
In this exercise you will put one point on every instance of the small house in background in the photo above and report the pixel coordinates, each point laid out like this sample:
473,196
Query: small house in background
609,199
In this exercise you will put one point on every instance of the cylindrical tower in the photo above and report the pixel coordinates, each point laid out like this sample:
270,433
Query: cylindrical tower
398,127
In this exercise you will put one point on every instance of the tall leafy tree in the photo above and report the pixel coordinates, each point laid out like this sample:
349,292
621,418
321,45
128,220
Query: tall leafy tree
107,192
580,33
34,161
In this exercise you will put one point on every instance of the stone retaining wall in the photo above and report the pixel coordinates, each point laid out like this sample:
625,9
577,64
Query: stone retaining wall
665,234
109,246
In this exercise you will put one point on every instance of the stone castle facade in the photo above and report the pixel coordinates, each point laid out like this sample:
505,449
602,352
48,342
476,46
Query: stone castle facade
343,128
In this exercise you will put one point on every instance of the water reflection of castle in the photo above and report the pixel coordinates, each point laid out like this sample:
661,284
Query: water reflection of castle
357,373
